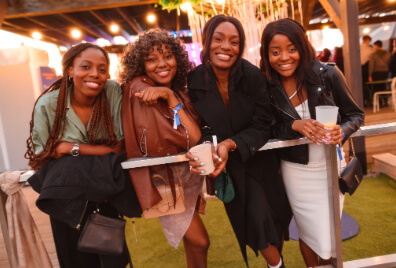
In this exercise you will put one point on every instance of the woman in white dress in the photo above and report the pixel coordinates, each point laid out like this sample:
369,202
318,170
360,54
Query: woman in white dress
298,83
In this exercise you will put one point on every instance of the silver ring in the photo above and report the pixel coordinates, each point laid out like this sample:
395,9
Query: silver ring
190,168
219,159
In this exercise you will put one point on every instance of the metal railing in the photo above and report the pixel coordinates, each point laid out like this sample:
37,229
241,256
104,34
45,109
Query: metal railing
332,175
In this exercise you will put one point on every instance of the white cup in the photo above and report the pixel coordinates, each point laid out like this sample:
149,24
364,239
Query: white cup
204,154
327,115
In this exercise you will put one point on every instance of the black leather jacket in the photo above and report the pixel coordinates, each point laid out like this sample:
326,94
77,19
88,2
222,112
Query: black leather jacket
332,91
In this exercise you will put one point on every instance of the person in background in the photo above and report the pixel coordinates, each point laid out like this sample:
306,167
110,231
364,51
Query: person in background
154,75
338,58
379,69
392,62
80,114
231,97
365,51
325,55
293,75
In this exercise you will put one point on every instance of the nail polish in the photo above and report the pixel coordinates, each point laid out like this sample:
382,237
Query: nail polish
202,164
195,159
202,172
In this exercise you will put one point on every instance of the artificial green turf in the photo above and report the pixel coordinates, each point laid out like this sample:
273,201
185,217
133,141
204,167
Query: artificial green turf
373,206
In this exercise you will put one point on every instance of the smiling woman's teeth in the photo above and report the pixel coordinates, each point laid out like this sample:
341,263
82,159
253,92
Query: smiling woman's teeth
285,65
223,56
163,73
91,84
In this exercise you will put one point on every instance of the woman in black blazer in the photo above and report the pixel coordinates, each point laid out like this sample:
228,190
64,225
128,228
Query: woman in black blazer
231,97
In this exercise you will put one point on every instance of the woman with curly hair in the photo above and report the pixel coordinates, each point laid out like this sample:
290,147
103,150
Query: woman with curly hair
159,120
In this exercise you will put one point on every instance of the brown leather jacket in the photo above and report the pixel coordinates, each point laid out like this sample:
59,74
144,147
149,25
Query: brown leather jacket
148,131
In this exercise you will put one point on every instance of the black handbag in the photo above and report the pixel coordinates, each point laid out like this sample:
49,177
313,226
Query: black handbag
102,235
352,175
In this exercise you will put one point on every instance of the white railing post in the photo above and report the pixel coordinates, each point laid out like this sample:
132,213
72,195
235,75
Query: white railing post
334,205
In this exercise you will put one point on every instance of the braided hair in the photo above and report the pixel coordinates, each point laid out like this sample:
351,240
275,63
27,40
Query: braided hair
101,119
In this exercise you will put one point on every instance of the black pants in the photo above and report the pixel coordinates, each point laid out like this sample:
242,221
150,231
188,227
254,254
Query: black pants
366,94
66,239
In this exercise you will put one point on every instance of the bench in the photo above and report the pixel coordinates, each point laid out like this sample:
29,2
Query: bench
385,163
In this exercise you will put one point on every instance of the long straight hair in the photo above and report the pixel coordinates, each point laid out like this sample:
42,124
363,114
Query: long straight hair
297,35
207,36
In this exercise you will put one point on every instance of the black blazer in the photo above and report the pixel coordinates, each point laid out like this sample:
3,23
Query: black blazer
332,90
248,125
65,185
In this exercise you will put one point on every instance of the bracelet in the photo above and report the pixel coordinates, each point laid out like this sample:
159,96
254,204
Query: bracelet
235,147
173,107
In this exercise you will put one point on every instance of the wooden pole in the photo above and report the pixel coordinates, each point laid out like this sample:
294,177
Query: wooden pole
352,65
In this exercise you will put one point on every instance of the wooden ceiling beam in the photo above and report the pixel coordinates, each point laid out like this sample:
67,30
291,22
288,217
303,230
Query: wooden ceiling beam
108,22
130,20
26,8
372,20
24,32
307,11
332,7
3,10
83,27
375,20
49,27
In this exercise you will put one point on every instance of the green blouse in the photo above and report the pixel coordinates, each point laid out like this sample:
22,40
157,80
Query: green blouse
75,131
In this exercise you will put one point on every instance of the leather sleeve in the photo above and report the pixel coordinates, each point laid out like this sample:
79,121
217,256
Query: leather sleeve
140,177
352,117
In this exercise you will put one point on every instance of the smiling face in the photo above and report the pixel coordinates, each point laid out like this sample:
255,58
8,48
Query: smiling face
283,56
161,67
90,71
224,47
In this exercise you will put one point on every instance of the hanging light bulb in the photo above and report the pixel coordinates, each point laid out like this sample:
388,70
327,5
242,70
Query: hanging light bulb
76,33
151,18
36,35
185,6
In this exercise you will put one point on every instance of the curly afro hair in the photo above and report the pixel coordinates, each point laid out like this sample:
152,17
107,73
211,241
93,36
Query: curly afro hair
132,63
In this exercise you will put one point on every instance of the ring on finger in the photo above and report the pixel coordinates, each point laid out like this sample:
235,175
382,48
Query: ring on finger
340,130
190,168
219,159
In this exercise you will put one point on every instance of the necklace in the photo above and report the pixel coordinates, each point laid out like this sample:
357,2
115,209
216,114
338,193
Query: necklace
295,92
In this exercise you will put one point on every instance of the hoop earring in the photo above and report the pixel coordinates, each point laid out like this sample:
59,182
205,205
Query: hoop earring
70,79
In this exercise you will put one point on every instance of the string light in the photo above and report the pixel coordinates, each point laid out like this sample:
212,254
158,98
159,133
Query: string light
186,6
36,35
151,18
76,33
114,28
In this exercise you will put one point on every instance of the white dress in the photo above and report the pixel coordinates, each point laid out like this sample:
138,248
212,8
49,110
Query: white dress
307,190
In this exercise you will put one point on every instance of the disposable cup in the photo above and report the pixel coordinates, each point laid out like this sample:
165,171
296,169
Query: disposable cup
204,154
327,115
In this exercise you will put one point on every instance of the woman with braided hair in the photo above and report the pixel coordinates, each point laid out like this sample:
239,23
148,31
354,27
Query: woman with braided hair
78,115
